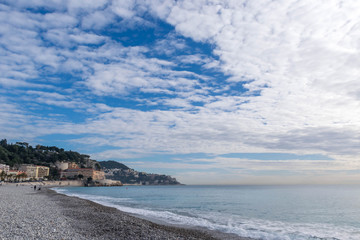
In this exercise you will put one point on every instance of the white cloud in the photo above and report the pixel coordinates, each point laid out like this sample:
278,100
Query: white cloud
124,9
170,45
194,59
59,20
87,38
11,83
193,19
301,55
97,20
56,99
85,5
135,72
299,61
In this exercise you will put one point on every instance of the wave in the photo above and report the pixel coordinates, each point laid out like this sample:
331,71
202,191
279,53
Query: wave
253,228
94,198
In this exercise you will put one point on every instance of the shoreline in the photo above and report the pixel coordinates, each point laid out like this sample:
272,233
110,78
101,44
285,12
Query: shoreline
48,184
46,214
140,228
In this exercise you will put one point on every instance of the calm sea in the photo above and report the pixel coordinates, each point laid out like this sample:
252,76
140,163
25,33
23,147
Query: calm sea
264,212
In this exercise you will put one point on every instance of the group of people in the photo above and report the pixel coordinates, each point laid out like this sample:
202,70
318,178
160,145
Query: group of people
39,188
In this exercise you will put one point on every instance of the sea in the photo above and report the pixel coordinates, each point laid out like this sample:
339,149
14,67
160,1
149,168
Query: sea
260,212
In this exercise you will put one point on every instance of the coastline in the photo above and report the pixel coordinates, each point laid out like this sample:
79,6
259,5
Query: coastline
110,223
51,215
48,184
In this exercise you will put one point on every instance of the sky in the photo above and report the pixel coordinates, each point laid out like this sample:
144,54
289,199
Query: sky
210,92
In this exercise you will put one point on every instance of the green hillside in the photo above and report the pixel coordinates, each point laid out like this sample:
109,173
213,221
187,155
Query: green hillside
110,164
23,153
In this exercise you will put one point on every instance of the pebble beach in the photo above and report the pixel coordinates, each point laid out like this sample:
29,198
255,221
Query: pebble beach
32,214
29,214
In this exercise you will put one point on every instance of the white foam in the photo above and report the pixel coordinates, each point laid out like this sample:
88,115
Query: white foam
167,216
254,228
274,230
93,198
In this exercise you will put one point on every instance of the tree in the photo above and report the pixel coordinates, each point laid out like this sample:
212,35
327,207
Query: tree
54,173
97,166
22,176
23,144
3,143
113,164
21,152
89,180
4,155
2,175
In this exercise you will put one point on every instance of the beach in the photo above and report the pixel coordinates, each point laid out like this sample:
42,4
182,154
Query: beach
32,214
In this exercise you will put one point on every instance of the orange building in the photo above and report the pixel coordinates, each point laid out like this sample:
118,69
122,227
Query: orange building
72,165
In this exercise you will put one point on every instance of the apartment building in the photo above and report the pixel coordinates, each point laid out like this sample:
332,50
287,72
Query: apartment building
33,171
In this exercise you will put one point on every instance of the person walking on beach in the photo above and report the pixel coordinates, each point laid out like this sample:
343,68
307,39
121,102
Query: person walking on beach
34,187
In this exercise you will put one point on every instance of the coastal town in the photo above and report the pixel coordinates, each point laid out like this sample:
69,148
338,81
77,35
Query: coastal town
20,162
25,172
66,171
72,171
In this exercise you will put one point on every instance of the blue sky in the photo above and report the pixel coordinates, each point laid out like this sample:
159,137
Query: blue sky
211,92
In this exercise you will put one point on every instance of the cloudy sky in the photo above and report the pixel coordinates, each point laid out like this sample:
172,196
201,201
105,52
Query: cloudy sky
208,91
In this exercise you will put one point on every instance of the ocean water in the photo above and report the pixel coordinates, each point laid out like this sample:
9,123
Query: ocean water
262,212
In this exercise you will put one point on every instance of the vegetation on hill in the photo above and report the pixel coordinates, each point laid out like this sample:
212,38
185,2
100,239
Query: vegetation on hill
110,164
140,178
120,172
23,153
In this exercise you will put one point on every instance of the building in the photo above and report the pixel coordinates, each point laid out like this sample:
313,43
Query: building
62,165
85,172
98,175
15,173
42,171
29,169
4,168
71,173
72,165
33,171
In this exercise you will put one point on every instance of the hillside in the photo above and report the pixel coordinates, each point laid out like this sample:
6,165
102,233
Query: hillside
120,172
110,164
23,153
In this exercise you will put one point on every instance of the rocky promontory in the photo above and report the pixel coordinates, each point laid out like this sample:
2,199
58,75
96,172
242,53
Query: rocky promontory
120,172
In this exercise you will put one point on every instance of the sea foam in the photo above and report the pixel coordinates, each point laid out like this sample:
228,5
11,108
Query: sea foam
225,222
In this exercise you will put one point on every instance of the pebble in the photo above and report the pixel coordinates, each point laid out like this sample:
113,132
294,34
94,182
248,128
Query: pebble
28,214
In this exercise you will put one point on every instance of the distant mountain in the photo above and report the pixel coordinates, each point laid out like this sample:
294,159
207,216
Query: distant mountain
113,165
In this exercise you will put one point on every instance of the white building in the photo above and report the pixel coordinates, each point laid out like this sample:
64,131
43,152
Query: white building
4,168
62,165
